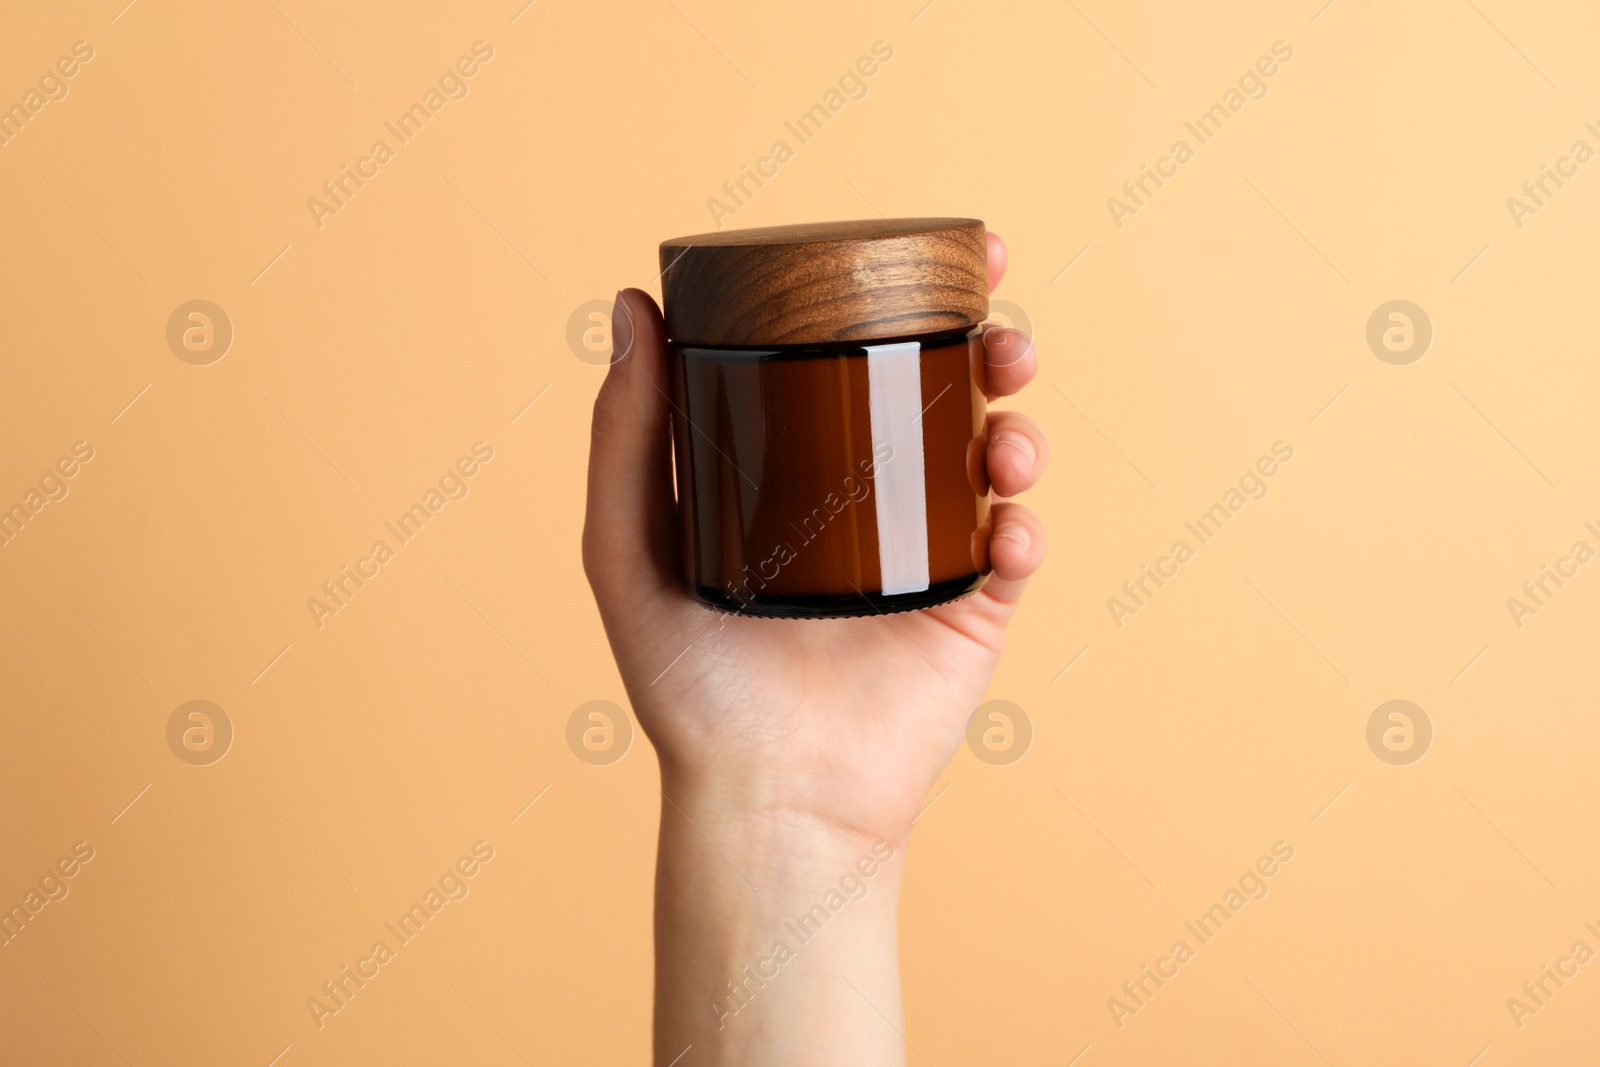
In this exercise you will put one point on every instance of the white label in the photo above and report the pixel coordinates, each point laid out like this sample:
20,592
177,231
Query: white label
894,388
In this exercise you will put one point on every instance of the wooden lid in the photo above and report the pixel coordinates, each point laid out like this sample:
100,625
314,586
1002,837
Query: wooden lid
827,281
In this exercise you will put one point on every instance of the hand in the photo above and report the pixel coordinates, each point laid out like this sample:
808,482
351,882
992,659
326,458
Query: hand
848,721
789,749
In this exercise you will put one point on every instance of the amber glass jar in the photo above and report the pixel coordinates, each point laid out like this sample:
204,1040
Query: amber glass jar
828,415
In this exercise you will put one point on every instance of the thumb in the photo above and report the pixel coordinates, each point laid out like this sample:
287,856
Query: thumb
629,538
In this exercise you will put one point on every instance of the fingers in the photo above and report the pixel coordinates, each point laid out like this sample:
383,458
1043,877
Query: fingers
1009,361
1017,452
1016,549
996,250
628,532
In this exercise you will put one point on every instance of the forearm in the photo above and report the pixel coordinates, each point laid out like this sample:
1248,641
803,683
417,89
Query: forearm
775,935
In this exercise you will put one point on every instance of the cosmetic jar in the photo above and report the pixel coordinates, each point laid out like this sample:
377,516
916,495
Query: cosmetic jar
826,384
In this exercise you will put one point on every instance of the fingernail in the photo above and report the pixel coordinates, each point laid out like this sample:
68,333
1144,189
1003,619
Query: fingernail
621,329
1014,531
1021,443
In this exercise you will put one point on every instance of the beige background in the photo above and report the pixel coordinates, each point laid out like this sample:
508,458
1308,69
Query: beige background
370,353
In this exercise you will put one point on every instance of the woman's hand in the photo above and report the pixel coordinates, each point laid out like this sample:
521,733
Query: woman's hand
787,747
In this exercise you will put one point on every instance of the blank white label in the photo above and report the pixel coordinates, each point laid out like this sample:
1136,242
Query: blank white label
894,387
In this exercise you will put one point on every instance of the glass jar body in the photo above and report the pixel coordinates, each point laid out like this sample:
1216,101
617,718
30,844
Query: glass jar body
831,480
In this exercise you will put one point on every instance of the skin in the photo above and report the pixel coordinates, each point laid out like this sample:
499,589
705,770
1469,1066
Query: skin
793,755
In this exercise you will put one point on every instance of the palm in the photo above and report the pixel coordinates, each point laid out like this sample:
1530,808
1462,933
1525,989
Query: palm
855,716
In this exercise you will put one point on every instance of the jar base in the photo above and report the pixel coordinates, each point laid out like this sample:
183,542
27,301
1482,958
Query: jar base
838,606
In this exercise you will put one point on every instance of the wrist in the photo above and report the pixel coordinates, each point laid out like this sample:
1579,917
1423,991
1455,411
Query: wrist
766,841
774,805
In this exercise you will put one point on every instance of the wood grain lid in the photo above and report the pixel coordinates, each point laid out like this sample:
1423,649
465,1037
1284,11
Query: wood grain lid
870,280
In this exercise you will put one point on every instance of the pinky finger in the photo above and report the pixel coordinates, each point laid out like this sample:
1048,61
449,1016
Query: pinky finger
1016,550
